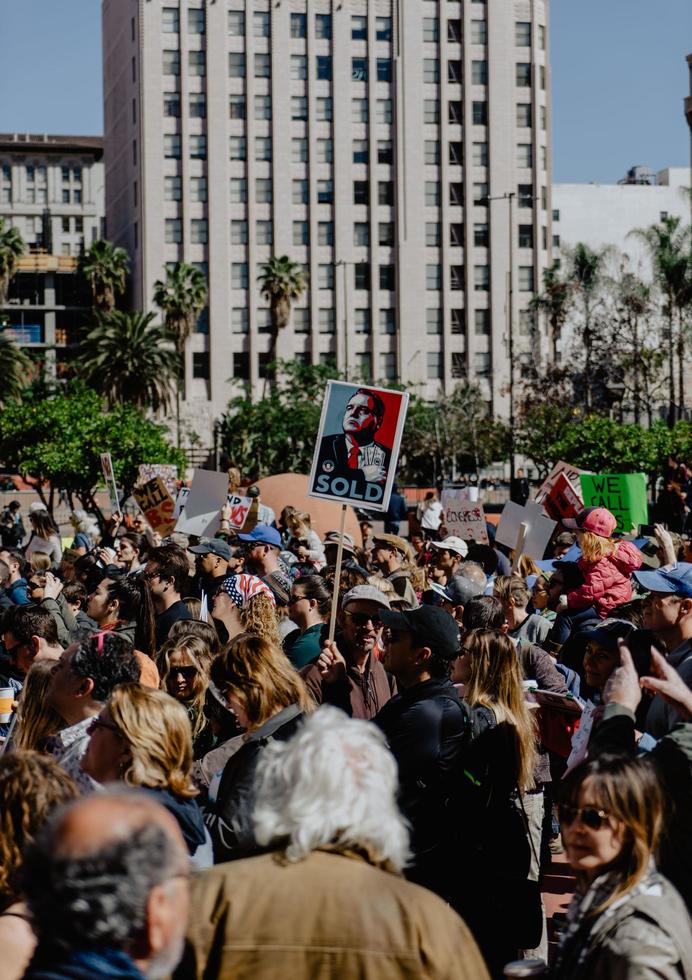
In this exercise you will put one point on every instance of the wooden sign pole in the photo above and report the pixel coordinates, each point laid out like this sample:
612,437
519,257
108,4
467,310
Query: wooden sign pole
519,546
337,574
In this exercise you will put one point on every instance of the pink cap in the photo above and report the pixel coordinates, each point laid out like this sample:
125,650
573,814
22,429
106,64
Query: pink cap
597,520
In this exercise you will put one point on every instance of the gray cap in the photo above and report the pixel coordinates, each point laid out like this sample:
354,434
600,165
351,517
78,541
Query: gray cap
365,593
461,589
333,538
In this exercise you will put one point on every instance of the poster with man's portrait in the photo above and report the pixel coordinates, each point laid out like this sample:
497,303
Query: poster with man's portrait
357,445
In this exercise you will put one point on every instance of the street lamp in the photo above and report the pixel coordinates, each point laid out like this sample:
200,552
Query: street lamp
509,196
344,263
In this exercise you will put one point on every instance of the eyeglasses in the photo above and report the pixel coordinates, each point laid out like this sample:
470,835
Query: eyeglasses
97,723
295,598
362,619
590,816
187,672
10,651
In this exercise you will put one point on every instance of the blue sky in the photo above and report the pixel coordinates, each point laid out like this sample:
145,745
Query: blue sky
619,77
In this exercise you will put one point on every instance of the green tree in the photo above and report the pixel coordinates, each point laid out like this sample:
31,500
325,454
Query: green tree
586,272
128,358
606,446
16,369
105,267
281,281
12,248
182,296
554,302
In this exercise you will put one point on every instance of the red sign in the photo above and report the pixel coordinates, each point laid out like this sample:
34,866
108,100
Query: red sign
562,500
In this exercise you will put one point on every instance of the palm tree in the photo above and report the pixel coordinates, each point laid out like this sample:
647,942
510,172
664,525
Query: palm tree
16,369
587,273
281,281
554,302
12,248
182,296
105,267
129,359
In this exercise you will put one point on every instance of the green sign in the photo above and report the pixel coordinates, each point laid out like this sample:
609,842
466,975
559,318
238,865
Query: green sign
624,496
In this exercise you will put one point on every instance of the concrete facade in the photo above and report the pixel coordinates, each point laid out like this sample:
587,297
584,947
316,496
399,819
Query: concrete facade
362,139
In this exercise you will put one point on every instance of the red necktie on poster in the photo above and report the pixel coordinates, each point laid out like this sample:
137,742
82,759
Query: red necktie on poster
353,458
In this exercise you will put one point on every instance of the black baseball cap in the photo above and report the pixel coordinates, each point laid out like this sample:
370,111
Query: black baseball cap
213,546
429,626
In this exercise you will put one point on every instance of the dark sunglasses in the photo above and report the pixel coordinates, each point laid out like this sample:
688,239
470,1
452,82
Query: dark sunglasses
362,619
590,816
187,672
97,723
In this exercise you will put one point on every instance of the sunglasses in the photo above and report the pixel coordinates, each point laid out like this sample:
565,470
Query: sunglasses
362,619
97,723
590,816
187,672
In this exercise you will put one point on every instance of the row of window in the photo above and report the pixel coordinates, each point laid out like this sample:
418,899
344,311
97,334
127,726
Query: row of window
481,278
262,66
38,173
479,32
170,20
261,26
39,195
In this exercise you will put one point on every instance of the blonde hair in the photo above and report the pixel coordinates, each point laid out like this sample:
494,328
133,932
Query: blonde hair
194,606
527,566
594,547
157,730
200,656
511,587
298,523
495,682
259,617
36,720
40,562
259,674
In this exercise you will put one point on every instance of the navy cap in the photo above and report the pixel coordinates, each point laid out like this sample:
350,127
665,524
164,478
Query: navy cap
262,534
460,590
213,546
430,626
672,581
608,633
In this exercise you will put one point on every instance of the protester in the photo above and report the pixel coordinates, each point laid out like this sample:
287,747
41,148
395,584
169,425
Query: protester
265,515
309,608
86,532
185,665
195,627
447,556
329,899
306,542
124,606
515,597
12,529
519,488
37,721
212,560
262,547
167,572
16,590
396,513
429,513
457,594
348,673
243,603
31,786
107,889
132,549
29,633
76,597
539,597
563,543
391,555
45,536
626,919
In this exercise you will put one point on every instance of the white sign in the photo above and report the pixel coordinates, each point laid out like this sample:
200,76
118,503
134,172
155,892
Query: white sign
571,473
239,507
462,517
539,528
201,512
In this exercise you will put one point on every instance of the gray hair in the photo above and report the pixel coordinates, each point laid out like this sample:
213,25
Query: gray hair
473,572
333,783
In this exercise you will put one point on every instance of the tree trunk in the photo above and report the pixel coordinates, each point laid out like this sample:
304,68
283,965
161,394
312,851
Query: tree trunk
637,391
681,369
671,370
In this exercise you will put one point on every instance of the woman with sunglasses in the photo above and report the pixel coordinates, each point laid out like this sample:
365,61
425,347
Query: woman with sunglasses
309,608
142,738
626,920
185,663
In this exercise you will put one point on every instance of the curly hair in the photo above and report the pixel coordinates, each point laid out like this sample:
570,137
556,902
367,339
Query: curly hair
31,785
108,659
258,616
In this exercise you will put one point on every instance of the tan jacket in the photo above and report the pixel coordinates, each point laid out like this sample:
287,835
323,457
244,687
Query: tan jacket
331,915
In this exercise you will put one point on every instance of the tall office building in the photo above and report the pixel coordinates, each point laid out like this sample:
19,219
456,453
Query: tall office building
382,144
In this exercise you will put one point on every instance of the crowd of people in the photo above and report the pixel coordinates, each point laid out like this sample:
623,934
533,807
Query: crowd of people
203,775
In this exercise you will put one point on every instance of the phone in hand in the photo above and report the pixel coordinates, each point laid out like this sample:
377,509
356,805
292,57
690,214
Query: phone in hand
649,530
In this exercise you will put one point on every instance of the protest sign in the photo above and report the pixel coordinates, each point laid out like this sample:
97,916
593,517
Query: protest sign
538,527
571,473
239,507
357,445
562,499
109,477
157,505
167,472
624,495
201,514
462,517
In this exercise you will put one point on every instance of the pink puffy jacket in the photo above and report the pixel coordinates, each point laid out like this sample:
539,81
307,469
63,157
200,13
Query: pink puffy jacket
606,582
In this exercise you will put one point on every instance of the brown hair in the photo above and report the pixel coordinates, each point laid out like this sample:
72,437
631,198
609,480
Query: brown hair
195,627
200,656
594,547
157,730
36,720
508,587
260,675
31,785
39,562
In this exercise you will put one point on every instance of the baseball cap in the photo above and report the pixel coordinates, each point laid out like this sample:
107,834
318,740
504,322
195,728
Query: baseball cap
262,534
609,632
365,593
672,581
428,625
212,546
452,543
333,537
461,589
597,520
394,541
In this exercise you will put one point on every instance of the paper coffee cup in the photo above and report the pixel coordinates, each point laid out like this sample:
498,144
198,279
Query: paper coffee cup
473,495
7,696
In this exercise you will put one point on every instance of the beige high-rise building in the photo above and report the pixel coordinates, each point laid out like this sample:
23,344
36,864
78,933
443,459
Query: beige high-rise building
376,142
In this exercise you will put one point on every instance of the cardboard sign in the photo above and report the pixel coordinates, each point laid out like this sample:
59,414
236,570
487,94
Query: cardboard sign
157,505
183,494
201,514
462,517
240,507
623,494
109,477
167,472
357,445
571,474
539,528
562,499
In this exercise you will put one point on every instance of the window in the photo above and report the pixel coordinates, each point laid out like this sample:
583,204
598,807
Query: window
301,320
325,233
299,150
172,189
174,231
432,193
481,234
239,324
263,106
361,191
480,154
456,235
431,29
361,276
434,364
325,192
263,190
479,32
361,233
359,110
388,366
431,112
323,26
433,321
364,363
325,276
556,241
200,365
199,234
454,31
458,322
543,150
238,232
385,192
239,275
455,112
236,23
480,113
361,319
525,195
171,146
325,319
260,23
479,72
543,77
238,147
383,111
301,233
195,21
388,321
454,72
236,107
198,147
481,323
171,62
198,106
541,37
263,65
522,34
359,69
385,153
197,62
170,20
481,363
458,364
298,25
241,362
524,115
387,278
523,73
236,64
299,67
525,236
383,28
456,193
301,192
543,116
65,225
433,278
432,152
263,147
264,233
481,278
171,105
324,67
384,70
323,110
432,234
325,151
524,155
360,151
527,322
525,278
385,233
456,277
359,28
